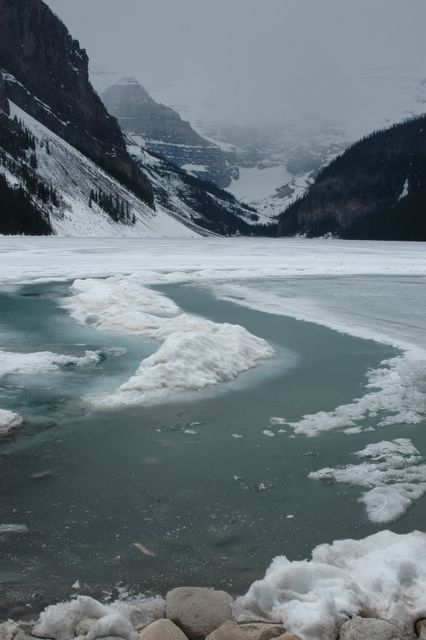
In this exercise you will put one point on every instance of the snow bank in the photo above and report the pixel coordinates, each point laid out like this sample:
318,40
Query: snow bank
383,575
119,619
12,363
8,421
195,354
394,473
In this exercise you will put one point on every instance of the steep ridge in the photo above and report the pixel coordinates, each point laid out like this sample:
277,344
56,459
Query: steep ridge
375,190
163,132
46,74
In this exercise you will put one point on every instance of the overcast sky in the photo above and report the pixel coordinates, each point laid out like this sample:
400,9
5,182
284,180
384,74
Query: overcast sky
259,60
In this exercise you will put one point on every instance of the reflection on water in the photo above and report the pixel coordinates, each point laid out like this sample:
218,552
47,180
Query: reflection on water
197,482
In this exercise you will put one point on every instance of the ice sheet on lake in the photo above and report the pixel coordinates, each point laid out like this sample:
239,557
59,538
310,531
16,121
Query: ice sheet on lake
26,259
394,473
195,353
383,575
12,363
395,392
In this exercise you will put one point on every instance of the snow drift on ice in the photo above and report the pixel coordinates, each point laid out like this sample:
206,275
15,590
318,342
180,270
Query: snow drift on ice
394,472
195,353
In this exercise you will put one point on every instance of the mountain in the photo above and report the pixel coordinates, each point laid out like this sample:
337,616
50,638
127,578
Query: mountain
375,190
65,167
162,131
46,73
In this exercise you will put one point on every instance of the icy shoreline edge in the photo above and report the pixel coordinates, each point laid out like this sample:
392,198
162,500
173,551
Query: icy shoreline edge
373,588
188,613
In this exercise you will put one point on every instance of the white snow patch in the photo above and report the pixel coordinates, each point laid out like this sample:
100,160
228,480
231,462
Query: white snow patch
404,192
9,421
395,395
74,176
394,472
12,363
13,528
195,353
119,619
383,576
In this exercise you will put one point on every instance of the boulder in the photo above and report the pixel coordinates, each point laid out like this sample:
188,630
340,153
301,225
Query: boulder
198,611
229,630
368,629
162,630
261,630
421,628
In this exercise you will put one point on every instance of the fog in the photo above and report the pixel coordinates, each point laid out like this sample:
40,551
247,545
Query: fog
261,61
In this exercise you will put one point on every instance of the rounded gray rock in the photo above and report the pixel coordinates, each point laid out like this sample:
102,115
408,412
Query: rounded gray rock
368,629
162,630
261,630
198,611
421,628
229,630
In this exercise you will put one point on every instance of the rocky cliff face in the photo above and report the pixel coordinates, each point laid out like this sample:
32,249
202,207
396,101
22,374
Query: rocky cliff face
46,73
165,133
374,190
4,104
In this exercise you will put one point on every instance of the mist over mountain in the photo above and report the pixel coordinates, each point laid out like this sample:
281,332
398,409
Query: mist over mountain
163,131
375,190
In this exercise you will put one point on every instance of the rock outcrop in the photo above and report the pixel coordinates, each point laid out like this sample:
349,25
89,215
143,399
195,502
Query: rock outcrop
165,133
46,74
4,104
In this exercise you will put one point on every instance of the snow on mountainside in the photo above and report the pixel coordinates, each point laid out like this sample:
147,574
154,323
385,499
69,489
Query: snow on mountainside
193,199
75,177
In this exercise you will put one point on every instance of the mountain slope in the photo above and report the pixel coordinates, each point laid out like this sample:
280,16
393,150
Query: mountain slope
163,132
86,200
46,74
375,190
195,200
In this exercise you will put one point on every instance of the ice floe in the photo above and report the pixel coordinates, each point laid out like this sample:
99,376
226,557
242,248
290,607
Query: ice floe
9,421
12,363
195,353
383,576
394,473
395,394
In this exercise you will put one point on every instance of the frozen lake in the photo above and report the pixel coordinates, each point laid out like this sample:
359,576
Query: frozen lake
212,478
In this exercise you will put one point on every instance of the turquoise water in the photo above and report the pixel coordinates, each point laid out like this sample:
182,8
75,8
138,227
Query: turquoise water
212,509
